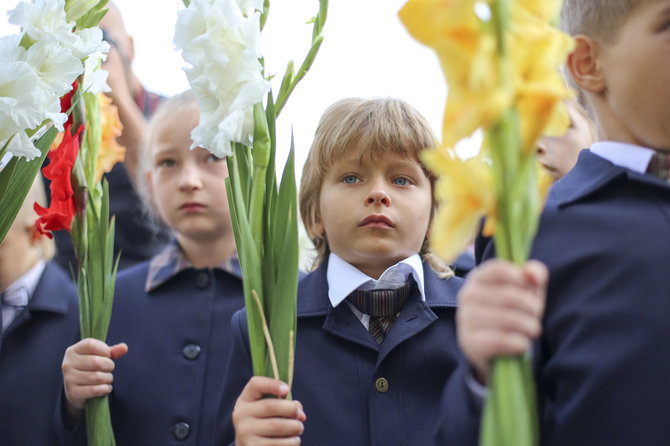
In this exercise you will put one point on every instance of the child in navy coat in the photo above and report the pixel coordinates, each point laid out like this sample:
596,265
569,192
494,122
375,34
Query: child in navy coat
170,328
602,360
366,201
39,321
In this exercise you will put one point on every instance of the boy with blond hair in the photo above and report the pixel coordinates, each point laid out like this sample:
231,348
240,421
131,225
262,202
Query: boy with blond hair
603,357
376,338
39,320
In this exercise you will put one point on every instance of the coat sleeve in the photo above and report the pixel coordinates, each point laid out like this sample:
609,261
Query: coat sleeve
460,411
239,371
67,434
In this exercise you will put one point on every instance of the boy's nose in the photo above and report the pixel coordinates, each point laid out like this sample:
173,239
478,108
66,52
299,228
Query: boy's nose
190,178
378,195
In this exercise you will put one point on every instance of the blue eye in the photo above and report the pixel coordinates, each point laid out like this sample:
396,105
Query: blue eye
401,181
350,179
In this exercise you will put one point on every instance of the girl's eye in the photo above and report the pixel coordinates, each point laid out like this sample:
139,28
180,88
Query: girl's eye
167,162
350,179
211,158
401,181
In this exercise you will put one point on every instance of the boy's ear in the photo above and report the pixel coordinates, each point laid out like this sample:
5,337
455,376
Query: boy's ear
584,65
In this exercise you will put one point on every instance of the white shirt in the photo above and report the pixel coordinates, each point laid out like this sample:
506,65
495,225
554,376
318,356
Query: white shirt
343,278
635,158
25,283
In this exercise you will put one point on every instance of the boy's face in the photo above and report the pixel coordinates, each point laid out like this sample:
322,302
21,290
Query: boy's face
374,212
188,186
637,76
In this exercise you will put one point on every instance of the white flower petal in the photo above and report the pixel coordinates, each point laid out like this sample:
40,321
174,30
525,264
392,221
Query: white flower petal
223,47
23,146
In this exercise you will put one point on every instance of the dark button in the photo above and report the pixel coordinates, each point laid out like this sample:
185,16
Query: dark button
191,351
181,431
202,279
382,385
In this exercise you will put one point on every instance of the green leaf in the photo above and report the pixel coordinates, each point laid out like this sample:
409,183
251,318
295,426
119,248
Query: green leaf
250,264
17,178
283,310
93,16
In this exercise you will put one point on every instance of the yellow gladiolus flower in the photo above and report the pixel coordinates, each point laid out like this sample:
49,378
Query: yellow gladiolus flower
110,151
466,194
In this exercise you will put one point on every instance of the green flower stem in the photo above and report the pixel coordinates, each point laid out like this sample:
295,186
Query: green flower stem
290,80
510,414
261,157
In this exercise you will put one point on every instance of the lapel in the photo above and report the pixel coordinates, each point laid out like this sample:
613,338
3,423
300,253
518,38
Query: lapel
341,322
50,296
417,315
591,174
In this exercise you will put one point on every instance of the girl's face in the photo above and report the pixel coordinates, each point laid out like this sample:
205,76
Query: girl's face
187,186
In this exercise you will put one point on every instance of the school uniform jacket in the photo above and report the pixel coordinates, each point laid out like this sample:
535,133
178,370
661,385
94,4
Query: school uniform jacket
30,359
354,391
166,387
603,360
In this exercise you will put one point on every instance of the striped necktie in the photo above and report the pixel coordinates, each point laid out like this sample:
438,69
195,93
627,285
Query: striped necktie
659,166
383,307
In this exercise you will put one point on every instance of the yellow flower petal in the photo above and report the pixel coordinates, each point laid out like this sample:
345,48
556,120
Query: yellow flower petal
465,194
110,151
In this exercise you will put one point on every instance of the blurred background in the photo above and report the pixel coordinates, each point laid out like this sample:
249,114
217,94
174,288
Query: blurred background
366,52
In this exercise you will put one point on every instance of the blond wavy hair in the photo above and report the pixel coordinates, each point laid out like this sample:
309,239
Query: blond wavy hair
382,125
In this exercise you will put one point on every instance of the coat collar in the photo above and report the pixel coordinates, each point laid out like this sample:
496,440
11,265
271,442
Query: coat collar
591,174
313,292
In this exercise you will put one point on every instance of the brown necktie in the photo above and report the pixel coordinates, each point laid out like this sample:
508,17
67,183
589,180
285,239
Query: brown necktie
659,166
383,307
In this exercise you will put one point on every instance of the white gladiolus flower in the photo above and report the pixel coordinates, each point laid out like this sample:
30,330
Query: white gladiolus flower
33,80
55,65
223,47
21,145
43,20
247,6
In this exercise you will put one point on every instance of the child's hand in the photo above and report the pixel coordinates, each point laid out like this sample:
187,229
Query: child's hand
500,311
87,372
267,421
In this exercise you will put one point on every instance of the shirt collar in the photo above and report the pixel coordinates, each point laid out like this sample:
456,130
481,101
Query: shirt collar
28,281
171,261
343,278
635,158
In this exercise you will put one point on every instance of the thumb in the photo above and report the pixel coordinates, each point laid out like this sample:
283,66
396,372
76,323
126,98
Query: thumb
118,351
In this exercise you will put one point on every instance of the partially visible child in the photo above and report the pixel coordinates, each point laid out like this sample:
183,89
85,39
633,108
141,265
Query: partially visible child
39,321
376,337
558,154
602,360
171,316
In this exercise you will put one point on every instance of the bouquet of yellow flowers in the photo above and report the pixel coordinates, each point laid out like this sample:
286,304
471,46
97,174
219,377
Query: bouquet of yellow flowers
501,60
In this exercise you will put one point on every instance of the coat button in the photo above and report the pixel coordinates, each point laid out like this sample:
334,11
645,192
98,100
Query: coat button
202,279
181,431
382,385
191,351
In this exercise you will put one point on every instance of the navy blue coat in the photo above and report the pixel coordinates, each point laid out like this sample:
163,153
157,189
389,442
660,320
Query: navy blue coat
30,360
603,360
338,366
166,387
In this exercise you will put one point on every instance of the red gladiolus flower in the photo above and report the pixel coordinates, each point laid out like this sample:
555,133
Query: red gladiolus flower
66,102
60,213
